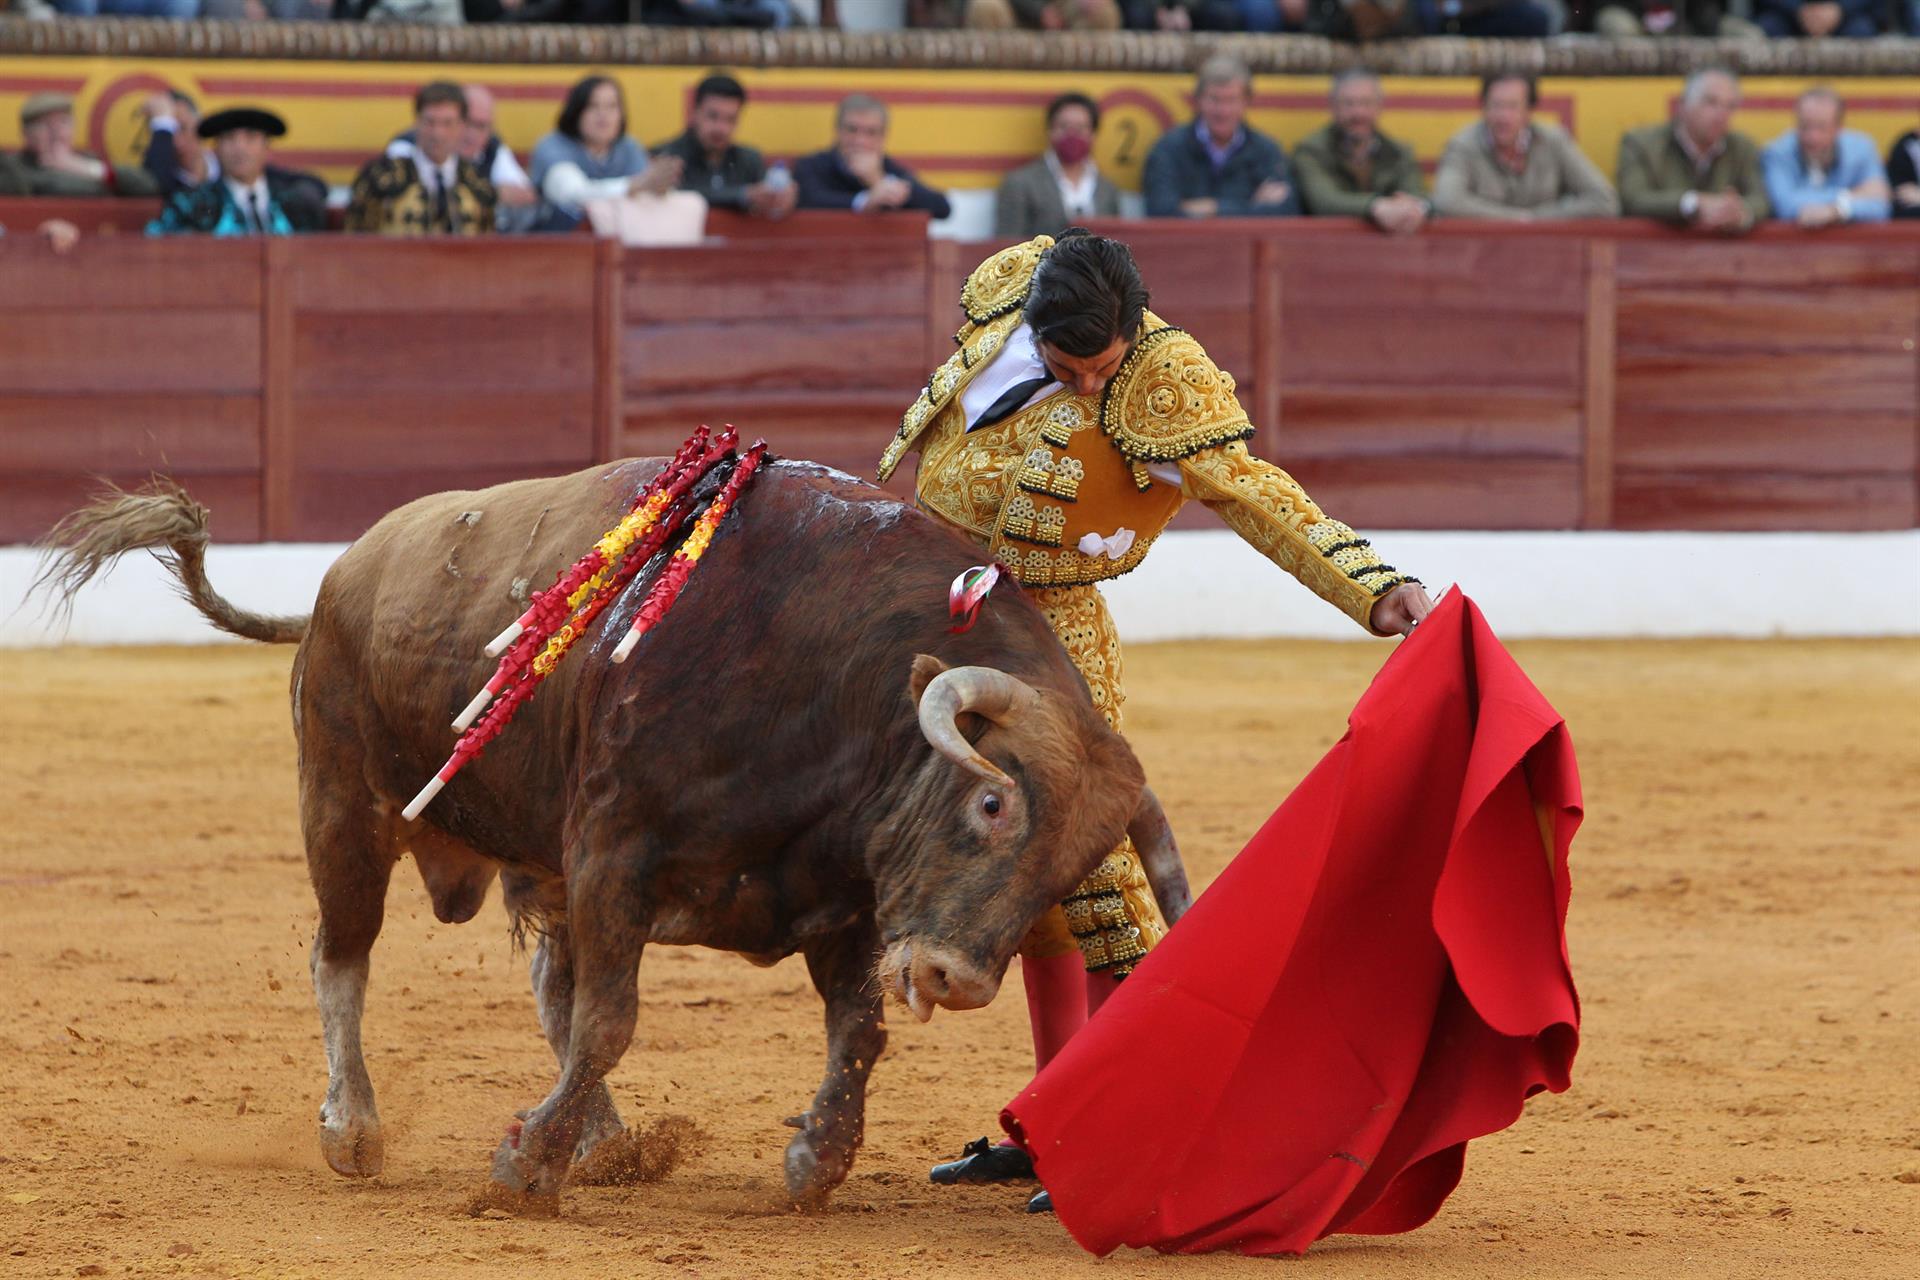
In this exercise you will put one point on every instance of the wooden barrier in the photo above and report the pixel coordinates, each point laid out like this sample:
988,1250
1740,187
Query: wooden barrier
1596,375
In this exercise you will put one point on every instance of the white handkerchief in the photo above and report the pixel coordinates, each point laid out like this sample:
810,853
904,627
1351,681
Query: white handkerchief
1113,548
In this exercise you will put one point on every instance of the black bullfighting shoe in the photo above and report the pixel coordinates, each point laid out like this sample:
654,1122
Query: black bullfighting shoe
1042,1202
981,1161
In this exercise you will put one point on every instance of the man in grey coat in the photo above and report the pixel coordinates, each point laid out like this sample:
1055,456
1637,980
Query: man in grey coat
1064,186
1512,167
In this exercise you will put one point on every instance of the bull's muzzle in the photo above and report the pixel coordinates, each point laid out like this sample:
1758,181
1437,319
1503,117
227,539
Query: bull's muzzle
923,975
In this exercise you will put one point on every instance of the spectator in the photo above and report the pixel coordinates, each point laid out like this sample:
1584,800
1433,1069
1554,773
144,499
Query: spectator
1903,173
1694,170
729,175
1814,19
596,12
1624,19
714,13
436,12
1512,166
60,234
173,156
128,8
590,156
1484,19
1820,175
1064,186
50,165
1182,15
1270,17
1217,166
434,190
1348,168
1044,15
491,156
857,173
245,196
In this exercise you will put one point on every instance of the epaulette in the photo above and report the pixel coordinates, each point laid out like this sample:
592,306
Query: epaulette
1169,400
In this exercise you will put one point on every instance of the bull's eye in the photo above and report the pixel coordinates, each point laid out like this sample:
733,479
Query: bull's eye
991,805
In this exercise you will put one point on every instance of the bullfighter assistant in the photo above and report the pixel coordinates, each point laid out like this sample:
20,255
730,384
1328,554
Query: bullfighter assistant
1062,436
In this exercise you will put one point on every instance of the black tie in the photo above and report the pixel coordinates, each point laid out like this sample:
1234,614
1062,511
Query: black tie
1010,401
259,218
442,209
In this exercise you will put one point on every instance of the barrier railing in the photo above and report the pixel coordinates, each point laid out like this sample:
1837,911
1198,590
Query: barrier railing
1593,375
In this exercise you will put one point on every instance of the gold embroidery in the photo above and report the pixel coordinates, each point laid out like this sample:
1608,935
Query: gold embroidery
1169,400
1030,522
1055,477
1112,914
998,286
1268,508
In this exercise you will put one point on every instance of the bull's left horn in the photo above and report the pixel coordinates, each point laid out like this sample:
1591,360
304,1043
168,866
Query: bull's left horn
985,691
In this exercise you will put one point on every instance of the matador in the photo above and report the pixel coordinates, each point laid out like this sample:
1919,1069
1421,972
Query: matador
1062,436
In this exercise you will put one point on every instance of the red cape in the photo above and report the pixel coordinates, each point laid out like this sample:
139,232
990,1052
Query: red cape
1380,976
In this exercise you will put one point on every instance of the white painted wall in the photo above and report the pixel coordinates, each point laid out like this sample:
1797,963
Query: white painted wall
1209,583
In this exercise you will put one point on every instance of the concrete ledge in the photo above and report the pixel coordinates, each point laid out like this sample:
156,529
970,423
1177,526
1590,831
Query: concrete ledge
1006,51
1210,584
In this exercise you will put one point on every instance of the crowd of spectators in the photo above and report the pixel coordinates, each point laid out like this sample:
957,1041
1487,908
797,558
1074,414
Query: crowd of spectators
1337,19
449,173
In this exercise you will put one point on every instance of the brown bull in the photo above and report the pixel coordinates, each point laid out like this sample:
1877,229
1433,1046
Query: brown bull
802,758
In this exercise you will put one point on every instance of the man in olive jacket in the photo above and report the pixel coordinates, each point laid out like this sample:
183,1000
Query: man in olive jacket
1351,169
1695,171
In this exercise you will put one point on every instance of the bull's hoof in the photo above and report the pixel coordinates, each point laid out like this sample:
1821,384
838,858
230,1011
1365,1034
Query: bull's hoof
492,1200
813,1172
511,1191
354,1150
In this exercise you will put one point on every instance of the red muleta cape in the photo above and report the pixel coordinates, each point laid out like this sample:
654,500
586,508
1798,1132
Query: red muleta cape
1380,976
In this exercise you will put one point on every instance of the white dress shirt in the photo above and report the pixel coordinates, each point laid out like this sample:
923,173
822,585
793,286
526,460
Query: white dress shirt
254,203
1076,198
1018,360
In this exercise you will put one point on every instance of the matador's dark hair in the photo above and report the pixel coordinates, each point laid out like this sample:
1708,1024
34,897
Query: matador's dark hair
1087,292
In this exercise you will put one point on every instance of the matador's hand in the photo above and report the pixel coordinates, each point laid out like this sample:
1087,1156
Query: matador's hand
1400,608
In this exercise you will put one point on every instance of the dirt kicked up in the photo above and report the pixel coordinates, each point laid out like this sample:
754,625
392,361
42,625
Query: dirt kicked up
1745,892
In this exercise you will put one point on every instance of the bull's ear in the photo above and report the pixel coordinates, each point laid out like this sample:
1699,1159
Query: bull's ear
925,668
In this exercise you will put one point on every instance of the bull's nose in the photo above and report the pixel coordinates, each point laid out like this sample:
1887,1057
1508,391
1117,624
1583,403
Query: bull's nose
950,980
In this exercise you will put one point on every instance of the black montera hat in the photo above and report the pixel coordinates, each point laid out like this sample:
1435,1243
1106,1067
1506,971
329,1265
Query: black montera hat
242,118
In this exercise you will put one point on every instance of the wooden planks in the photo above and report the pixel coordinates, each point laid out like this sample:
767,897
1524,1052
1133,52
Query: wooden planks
1429,383
1576,377
1766,386
819,345
422,365
125,358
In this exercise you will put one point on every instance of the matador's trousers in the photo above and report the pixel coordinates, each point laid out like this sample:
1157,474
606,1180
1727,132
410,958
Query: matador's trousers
1112,918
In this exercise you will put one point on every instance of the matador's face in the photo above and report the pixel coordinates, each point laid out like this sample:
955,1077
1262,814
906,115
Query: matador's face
1087,375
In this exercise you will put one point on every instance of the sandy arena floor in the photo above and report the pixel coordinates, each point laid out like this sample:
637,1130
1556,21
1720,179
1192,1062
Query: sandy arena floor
1743,930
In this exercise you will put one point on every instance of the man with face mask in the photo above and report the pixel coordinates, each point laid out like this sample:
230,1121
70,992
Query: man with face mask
1219,166
244,196
1061,438
1064,186
729,175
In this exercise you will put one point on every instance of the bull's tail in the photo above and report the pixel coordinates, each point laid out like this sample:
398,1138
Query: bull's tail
160,518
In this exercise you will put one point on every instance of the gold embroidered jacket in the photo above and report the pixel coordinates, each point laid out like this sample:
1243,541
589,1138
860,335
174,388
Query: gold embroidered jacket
1061,492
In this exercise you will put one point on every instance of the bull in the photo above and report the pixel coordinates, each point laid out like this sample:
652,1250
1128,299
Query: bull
802,758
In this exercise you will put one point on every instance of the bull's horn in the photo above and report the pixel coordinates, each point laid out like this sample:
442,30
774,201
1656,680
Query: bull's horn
984,691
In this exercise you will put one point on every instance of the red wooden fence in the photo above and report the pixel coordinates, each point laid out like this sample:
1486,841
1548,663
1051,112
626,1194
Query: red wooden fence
1597,375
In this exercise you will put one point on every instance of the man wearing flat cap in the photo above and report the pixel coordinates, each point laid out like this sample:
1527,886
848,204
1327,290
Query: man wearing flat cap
245,197
50,165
